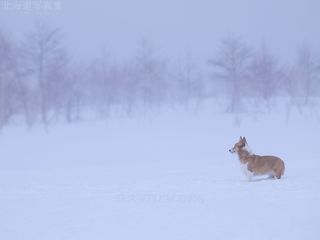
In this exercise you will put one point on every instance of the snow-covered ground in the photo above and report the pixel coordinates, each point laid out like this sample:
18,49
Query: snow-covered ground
161,176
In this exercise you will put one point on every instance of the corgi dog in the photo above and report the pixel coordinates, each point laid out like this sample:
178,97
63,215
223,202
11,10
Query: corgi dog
255,165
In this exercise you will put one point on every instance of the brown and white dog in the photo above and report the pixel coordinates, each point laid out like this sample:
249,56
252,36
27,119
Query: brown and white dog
255,165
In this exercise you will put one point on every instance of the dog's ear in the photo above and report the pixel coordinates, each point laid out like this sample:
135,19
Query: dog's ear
244,140
240,138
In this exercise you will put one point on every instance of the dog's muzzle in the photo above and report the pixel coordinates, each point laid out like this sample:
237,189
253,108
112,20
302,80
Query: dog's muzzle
231,150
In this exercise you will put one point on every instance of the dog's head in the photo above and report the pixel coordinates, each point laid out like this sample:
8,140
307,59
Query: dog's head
239,145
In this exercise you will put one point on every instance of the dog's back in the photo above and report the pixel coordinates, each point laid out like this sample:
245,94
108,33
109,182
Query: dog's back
260,165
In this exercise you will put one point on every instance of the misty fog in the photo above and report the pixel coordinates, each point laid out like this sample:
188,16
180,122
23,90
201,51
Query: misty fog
61,59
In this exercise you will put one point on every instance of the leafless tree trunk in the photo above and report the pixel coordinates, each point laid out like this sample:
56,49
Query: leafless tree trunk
266,75
186,84
306,74
8,84
150,75
48,60
232,66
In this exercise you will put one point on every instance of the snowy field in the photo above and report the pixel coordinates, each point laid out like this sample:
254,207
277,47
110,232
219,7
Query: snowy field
160,176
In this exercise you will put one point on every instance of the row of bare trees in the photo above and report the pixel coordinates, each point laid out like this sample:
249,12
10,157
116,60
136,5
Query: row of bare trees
35,77
41,82
245,72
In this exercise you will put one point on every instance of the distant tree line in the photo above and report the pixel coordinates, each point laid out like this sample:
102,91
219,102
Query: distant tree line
41,82
256,73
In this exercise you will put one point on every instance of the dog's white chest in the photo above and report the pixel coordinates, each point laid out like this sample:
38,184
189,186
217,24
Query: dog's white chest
244,167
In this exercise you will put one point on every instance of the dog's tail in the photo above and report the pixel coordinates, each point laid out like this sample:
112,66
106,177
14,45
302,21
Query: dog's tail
283,168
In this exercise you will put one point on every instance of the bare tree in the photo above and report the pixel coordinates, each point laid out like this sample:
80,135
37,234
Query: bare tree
149,75
9,88
75,97
48,60
232,66
266,75
105,83
129,87
306,75
187,84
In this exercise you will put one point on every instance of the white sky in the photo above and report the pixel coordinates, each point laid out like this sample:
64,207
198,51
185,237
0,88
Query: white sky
177,27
